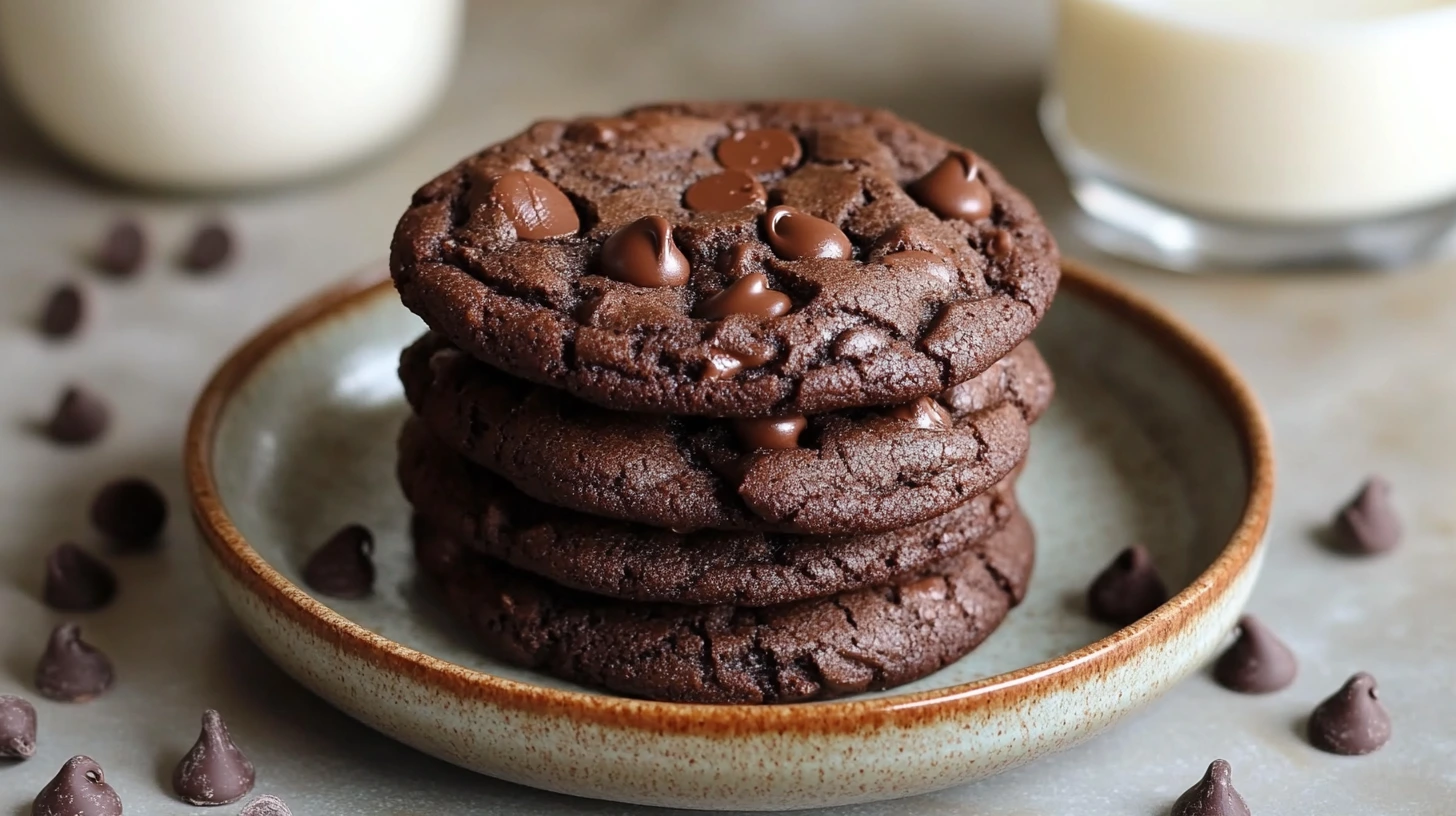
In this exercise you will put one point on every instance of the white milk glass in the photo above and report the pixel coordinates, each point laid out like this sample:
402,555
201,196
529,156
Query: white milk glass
1258,132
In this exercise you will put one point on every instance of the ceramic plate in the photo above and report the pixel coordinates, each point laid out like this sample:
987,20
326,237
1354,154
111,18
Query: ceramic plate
1153,439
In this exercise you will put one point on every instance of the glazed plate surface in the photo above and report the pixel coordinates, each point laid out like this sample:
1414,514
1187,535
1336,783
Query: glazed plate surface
1152,439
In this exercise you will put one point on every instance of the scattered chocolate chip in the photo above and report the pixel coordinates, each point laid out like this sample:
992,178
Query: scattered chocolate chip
775,433
917,259
723,364
123,250
749,295
80,789
1214,795
760,151
214,772
17,727
77,581
537,207
131,513
343,567
1127,589
795,235
265,805
925,412
65,310
953,189
1257,663
1002,246
643,253
71,670
1368,525
210,248
1352,721
725,192
81,417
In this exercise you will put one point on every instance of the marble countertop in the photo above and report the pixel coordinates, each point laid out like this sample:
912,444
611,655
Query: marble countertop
1353,368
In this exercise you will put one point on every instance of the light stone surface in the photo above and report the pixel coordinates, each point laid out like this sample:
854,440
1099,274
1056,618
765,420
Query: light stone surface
1353,369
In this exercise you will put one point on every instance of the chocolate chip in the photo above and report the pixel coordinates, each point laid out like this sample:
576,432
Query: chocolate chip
80,789
343,567
1352,721
917,259
537,208
81,417
265,805
749,295
795,235
925,412
1127,589
77,581
723,364
123,250
1368,524
17,727
214,772
760,151
1214,795
71,670
644,254
953,189
64,312
774,433
131,513
1257,663
210,248
724,192
1002,245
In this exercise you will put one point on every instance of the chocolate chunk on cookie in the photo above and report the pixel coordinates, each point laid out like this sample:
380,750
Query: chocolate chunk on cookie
868,639
594,256
855,471
636,562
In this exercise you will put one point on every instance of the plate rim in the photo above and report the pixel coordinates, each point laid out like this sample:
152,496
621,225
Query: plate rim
231,550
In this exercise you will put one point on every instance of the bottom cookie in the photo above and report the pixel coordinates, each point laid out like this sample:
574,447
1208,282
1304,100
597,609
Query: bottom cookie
864,640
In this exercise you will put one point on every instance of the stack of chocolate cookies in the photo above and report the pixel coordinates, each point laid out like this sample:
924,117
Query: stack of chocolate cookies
724,403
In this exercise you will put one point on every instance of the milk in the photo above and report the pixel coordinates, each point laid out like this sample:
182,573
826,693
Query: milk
1276,111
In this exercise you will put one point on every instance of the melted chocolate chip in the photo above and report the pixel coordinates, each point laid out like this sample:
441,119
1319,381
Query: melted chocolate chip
916,259
17,727
1214,795
644,254
1127,589
1352,721
77,581
724,192
71,670
1368,524
774,433
1002,246
923,413
760,151
537,207
210,248
795,235
214,772
80,789
723,364
749,295
81,417
1257,663
343,567
131,513
65,310
123,250
953,189
265,805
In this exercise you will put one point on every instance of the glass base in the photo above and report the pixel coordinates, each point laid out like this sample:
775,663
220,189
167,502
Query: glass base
1123,222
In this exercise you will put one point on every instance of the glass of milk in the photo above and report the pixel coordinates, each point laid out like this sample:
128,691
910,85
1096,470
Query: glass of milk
1258,132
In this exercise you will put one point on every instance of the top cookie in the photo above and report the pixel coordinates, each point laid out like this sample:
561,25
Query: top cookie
729,259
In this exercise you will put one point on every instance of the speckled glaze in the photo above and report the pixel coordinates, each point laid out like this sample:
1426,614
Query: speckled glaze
1153,438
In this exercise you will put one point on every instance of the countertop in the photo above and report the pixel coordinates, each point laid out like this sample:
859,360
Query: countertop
1354,369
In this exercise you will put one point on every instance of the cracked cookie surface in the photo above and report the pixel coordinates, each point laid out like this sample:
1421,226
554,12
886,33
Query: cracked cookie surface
729,259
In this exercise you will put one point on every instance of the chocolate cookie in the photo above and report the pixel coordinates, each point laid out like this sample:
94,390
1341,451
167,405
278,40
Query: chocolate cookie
871,638
636,562
854,471
729,259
